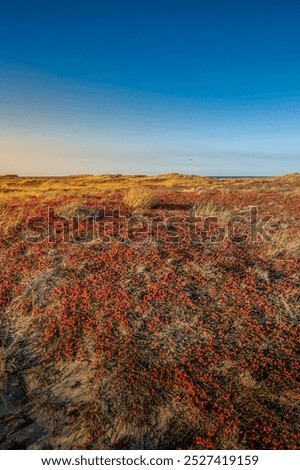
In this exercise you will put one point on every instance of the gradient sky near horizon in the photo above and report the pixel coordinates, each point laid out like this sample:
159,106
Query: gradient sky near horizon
206,87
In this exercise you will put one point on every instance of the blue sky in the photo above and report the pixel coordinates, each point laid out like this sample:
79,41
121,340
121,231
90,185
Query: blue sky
207,87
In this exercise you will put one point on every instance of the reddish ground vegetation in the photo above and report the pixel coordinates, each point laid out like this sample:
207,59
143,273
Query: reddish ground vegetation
185,343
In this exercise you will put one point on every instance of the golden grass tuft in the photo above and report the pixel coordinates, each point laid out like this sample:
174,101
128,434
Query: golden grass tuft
141,198
9,219
70,210
283,243
207,208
